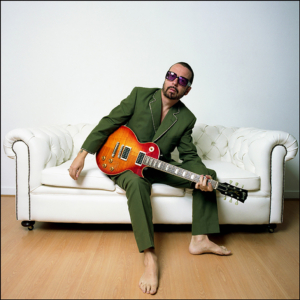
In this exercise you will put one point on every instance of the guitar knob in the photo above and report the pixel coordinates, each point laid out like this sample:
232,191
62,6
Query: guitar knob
110,160
112,168
104,165
103,157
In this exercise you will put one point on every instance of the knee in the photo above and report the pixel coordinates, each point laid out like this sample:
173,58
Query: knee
138,183
213,174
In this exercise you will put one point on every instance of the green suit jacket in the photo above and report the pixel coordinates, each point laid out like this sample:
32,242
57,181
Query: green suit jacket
141,112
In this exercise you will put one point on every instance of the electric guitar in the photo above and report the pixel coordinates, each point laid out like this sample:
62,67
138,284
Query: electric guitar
122,151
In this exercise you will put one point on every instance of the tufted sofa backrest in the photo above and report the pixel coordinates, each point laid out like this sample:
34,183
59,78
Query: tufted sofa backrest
79,133
211,141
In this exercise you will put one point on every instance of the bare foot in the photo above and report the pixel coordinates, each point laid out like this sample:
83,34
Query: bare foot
201,244
149,280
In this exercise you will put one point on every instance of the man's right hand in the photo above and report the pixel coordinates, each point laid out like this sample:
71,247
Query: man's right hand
77,164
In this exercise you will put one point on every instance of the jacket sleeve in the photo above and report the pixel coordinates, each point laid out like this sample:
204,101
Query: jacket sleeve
108,124
186,148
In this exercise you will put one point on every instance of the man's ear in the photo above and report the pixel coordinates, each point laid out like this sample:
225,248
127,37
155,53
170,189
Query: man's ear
188,90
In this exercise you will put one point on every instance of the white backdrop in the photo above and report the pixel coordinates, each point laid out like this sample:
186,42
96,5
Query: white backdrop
72,62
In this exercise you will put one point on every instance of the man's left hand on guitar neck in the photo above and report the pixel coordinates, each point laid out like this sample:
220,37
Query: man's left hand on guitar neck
203,185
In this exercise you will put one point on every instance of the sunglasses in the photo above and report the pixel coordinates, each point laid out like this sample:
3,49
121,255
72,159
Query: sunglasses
181,80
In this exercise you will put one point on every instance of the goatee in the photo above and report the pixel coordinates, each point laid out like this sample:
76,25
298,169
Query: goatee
171,96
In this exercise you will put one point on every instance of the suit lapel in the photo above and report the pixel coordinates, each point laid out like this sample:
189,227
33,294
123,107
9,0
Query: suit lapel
155,108
169,120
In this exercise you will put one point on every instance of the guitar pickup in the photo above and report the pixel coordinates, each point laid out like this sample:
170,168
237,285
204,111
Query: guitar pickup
125,153
140,158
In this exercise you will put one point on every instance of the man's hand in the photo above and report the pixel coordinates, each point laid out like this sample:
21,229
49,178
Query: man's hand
202,184
77,164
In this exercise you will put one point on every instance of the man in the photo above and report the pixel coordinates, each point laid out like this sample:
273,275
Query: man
159,116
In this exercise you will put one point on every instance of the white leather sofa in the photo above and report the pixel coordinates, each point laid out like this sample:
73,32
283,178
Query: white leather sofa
250,157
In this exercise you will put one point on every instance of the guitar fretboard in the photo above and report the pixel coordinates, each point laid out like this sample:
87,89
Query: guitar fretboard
174,170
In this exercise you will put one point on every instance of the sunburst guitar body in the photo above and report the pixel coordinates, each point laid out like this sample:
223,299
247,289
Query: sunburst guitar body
122,151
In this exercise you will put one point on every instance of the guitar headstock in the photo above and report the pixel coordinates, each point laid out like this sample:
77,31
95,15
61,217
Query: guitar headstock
232,191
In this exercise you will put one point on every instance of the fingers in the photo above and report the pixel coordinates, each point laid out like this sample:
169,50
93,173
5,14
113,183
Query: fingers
76,167
203,185
74,172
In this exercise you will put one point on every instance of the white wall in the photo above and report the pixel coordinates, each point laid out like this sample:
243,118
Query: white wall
72,62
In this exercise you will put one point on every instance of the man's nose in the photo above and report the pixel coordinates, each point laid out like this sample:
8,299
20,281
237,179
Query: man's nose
175,81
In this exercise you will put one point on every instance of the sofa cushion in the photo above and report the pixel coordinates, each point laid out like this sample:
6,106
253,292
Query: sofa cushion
227,171
91,177
159,189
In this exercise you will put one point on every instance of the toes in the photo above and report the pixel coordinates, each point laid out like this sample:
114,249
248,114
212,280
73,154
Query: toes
148,289
142,287
153,290
225,250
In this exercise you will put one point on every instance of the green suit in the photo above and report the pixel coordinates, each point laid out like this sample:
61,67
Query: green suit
141,111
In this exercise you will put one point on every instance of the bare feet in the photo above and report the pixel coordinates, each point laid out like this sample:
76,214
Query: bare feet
201,244
149,280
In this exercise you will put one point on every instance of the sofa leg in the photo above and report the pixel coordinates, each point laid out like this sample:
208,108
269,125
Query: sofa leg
28,224
271,227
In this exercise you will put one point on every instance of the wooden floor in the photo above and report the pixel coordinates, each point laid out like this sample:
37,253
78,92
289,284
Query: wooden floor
84,261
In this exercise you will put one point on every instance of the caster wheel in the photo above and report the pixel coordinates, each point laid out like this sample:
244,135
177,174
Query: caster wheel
28,224
271,228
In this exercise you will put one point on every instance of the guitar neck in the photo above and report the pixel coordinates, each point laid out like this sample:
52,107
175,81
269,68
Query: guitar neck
174,170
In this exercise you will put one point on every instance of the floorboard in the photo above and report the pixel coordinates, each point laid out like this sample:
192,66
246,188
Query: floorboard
100,261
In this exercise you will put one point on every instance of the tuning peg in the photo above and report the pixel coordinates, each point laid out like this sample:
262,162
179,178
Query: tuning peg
230,181
224,198
236,184
230,200
237,202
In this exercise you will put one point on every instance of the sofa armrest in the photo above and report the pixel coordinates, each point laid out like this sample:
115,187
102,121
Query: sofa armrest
254,150
34,150
48,146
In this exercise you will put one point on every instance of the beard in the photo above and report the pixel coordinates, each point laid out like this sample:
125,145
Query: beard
171,95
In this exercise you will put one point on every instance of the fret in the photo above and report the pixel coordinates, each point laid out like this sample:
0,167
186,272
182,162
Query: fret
173,169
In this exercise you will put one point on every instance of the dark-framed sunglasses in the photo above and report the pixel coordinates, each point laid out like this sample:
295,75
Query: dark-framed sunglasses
181,80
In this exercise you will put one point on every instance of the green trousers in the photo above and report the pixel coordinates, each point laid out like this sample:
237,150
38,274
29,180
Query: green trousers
138,190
